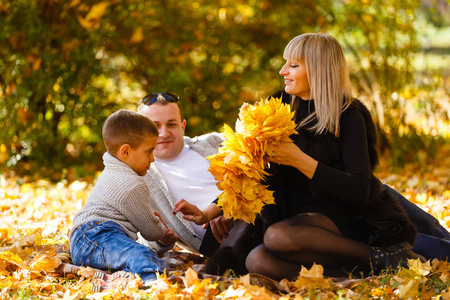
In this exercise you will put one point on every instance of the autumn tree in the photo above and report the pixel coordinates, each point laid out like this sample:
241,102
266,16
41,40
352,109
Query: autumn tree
66,65
50,98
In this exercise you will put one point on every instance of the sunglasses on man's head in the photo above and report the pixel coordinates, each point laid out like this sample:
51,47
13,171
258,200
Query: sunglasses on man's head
151,98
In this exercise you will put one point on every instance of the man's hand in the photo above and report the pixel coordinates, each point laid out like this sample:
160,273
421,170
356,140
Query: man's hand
190,212
220,227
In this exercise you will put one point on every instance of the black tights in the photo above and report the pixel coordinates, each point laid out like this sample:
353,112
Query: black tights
303,240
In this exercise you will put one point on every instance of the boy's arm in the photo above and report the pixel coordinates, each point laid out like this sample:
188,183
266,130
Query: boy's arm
169,239
136,208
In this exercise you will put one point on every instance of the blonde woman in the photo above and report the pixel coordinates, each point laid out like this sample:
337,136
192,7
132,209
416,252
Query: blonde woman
330,208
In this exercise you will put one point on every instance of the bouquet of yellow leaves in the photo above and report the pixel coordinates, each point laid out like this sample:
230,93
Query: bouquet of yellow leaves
239,166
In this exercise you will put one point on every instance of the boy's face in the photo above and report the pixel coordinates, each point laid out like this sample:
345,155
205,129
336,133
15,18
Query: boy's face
140,159
170,127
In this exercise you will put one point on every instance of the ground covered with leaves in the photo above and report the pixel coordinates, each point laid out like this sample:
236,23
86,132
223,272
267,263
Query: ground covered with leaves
35,219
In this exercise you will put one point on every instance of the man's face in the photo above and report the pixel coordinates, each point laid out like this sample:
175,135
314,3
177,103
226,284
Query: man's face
170,128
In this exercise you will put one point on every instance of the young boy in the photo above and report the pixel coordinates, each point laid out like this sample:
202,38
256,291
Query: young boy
104,231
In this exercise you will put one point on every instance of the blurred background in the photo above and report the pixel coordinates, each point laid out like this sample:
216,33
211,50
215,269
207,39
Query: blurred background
66,65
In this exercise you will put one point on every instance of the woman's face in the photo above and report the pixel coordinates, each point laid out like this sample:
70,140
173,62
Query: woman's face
296,79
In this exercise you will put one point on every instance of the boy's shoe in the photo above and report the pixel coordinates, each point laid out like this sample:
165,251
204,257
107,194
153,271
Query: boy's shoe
102,281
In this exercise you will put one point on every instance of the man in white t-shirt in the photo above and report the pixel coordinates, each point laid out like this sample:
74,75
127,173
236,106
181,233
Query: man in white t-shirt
180,172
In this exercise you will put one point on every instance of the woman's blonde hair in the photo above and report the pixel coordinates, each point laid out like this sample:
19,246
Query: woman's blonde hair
327,72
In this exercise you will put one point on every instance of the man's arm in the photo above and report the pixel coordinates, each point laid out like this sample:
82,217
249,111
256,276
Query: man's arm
220,227
206,144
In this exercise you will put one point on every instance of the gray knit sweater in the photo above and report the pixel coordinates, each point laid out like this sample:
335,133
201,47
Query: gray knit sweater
122,196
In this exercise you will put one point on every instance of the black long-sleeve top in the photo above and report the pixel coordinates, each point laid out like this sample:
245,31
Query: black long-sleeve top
343,187
352,183
343,172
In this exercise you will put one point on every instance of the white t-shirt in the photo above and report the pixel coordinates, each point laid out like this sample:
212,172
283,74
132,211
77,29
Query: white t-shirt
188,178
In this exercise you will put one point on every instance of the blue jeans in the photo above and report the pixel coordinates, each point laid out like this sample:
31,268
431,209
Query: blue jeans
425,222
432,247
106,246
433,240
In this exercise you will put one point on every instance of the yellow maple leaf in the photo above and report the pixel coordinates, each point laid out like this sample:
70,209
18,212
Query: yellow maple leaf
202,289
164,289
419,268
416,270
239,166
409,289
411,278
8,257
3,231
315,271
233,292
440,266
46,262
446,194
190,277
312,279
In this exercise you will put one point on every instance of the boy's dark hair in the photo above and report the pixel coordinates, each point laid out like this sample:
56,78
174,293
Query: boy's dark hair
126,127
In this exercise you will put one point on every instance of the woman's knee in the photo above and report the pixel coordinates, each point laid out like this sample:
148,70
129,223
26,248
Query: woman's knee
280,238
273,236
257,260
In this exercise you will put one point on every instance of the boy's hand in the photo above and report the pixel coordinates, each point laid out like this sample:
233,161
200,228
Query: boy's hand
161,219
169,238
190,212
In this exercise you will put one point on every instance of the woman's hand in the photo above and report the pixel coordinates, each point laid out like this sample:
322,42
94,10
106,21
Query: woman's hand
289,154
190,212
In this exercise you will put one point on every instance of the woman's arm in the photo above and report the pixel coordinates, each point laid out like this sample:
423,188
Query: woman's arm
353,182
194,214
289,154
210,216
